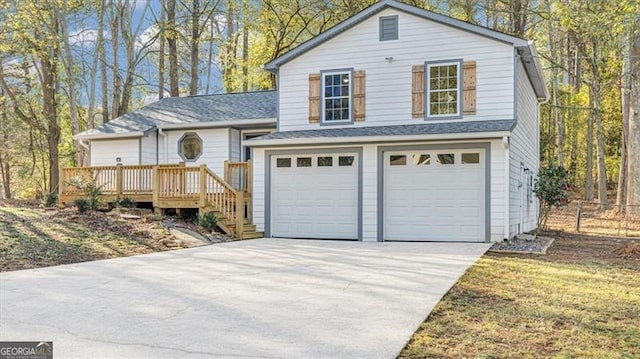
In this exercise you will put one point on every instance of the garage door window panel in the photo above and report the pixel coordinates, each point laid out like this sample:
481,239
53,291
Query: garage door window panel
283,162
398,160
325,161
470,158
421,159
303,161
344,161
446,159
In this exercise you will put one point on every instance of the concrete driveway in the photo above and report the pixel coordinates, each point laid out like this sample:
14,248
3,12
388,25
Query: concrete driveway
270,298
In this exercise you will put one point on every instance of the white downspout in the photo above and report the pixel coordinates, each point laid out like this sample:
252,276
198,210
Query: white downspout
507,187
166,145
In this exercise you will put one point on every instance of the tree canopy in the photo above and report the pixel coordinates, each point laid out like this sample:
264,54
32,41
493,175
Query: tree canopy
70,65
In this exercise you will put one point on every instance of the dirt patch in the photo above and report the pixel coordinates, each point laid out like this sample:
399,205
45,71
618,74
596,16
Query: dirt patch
32,237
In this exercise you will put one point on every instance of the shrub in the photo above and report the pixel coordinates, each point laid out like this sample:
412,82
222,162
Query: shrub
208,221
551,188
92,192
125,202
50,199
82,204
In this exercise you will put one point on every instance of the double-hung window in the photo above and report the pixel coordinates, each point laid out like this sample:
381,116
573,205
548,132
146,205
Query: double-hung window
337,96
444,89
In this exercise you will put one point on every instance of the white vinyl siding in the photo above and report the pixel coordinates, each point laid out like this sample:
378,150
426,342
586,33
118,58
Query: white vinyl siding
106,152
149,149
388,86
215,148
259,188
524,148
235,150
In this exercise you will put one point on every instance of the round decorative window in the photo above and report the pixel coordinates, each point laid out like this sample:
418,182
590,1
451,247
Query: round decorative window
190,146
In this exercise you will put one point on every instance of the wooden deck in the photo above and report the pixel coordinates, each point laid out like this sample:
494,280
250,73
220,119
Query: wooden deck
173,186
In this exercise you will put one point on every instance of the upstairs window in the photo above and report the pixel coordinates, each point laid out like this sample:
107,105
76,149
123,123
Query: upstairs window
389,28
336,91
443,89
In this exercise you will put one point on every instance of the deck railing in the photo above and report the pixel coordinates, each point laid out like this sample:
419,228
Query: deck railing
238,174
174,184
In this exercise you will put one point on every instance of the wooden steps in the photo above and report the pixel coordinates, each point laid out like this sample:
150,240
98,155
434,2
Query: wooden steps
228,226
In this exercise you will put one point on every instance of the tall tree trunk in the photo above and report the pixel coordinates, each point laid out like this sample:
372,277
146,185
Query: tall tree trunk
602,167
172,41
245,46
115,29
555,79
210,58
195,47
71,88
129,41
588,180
100,43
229,62
50,111
5,167
625,101
5,175
161,54
91,110
633,158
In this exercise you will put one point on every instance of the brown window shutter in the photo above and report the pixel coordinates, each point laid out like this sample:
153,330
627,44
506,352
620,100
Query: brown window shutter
359,96
417,92
314,98
469,88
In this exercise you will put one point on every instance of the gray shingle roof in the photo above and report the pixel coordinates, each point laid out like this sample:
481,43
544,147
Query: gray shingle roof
174,111
397,130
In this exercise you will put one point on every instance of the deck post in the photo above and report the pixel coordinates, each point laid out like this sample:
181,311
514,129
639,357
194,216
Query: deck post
119,180
61,187
227,175
249,189
249,177
156,185
239,214
203,185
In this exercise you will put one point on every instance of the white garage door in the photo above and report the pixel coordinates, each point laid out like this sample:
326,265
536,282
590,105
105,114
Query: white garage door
434,195
314,196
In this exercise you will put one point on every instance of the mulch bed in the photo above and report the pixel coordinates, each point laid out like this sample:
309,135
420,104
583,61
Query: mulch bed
524,244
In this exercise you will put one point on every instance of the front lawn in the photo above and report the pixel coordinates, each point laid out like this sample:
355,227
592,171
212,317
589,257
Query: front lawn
581,300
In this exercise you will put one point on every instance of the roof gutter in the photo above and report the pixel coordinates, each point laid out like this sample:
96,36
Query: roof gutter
533,67
218,124
257,142
106,136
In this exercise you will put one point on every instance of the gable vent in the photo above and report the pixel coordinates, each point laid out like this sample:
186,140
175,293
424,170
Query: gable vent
389,28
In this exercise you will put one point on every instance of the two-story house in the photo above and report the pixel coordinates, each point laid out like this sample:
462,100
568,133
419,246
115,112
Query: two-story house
401,124
396,124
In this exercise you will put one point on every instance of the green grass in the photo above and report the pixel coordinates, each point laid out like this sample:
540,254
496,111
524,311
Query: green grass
32,237
509,307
